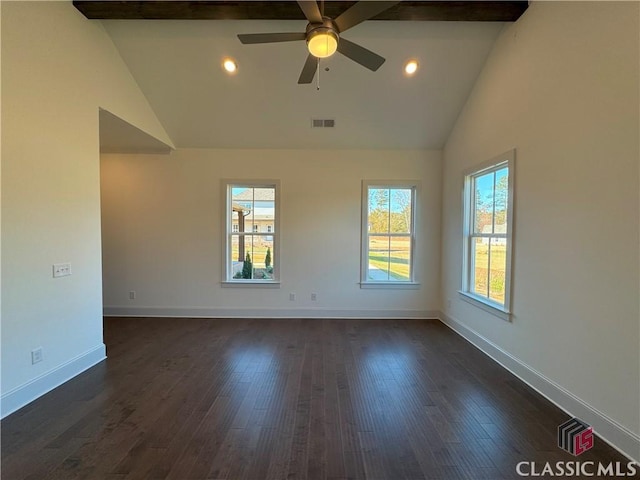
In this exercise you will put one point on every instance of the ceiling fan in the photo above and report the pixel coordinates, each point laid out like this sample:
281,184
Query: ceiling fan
323,35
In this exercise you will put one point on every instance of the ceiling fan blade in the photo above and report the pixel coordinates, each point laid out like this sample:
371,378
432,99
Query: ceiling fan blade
310,10
360,12
360,55
309,70
247,38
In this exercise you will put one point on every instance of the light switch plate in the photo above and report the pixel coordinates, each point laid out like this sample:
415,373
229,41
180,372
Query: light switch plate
61,269
36,355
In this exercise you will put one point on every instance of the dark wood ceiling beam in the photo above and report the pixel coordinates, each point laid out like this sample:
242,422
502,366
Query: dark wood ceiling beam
461,11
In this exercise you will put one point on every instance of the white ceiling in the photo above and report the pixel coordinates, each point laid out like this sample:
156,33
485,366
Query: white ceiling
177,65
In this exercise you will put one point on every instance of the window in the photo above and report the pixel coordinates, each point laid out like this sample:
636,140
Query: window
251,256
388,228
488,198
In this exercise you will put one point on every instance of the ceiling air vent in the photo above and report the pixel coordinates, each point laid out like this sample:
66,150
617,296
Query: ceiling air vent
323,123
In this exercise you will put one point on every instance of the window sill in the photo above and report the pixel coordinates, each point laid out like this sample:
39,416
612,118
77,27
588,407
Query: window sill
483,304
391,285
250,284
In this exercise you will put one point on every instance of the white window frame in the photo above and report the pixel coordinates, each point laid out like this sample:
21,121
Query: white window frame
507,159
365,282
227,275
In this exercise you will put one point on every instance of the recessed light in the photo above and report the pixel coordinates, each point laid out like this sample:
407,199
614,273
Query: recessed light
411,67
229,65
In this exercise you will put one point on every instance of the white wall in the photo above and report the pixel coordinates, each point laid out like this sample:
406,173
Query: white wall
561,86
162,232
57,69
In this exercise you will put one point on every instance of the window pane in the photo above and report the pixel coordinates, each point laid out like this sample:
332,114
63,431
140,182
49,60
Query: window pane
483,204
378,211
234,220
400,259
263,257
389,259
242,206
252,256
400,210
238,252
378,265
501,200
264,207
498,267
480,266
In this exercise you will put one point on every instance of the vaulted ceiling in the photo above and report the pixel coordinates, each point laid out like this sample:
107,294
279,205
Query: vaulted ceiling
177,64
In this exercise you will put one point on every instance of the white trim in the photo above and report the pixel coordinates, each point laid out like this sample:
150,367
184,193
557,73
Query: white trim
468,186
211,312
227,223
485,305
391,285
249,284
24,394
489,165
618,436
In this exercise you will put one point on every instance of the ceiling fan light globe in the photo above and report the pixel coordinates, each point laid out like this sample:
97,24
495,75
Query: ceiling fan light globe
322,43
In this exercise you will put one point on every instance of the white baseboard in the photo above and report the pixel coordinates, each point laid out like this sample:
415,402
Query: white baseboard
20,396
190,312
618,436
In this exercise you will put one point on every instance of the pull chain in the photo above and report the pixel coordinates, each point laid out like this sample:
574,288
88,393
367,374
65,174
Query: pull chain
318,76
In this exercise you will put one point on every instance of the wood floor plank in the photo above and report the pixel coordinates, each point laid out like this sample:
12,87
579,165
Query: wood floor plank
285,399
316,461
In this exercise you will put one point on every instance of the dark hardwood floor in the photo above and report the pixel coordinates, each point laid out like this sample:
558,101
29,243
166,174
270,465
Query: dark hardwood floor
286,399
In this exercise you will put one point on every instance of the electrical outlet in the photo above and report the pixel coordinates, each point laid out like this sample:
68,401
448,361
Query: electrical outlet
61,270
314,297
132,295
36,355
292,297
